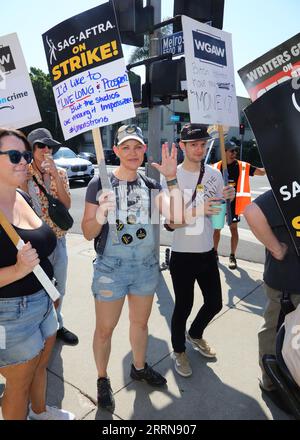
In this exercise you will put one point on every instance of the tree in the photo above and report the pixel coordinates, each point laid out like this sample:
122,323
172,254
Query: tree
44,95
141,53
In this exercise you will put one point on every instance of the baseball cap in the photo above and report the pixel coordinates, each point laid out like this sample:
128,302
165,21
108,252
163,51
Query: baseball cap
43,136
229,145
127,132
194,132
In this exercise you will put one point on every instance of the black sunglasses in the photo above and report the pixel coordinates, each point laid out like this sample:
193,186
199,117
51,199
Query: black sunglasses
42,146
15,156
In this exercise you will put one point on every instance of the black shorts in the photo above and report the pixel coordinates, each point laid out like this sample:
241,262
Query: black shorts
235,218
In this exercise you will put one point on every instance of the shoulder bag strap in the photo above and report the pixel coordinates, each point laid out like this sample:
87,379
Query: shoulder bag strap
201,174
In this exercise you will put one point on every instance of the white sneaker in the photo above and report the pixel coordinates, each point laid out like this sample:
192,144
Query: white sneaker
202,346
51,413
182,365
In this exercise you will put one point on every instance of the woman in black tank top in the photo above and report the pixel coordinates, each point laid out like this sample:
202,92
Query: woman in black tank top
28,321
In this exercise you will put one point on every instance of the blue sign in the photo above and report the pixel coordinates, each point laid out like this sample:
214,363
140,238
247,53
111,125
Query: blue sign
175,118
173,44
210,49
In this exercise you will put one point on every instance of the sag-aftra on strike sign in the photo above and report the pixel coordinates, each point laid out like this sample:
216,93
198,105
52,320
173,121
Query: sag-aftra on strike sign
88,72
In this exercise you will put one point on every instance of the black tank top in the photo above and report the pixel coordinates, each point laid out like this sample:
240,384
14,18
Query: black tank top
43,240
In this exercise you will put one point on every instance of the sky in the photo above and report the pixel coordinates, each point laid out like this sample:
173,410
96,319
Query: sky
256,26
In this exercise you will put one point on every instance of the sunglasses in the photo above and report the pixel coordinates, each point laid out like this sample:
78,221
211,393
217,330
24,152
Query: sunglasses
15,156
233,151
42,146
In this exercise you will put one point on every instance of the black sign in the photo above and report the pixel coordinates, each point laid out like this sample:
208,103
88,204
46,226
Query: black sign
275,121
272,68
6,59
82,42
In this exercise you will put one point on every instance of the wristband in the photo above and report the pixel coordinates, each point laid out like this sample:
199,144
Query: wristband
172,182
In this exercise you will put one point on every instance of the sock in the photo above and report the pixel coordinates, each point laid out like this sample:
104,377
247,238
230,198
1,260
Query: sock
139,369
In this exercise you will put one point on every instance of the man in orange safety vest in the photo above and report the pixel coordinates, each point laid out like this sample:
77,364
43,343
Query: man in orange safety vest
238,175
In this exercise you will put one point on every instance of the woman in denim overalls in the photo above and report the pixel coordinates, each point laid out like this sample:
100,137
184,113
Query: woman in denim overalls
130,268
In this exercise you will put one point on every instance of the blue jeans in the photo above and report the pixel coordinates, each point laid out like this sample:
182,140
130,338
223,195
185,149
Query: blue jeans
59,261
26,323
115,277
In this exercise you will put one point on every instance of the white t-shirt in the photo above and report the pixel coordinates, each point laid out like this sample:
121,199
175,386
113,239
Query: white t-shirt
197,237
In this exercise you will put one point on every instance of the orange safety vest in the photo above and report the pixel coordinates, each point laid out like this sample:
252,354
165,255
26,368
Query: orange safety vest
243,194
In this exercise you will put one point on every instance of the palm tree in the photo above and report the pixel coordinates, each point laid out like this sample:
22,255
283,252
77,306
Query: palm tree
141,53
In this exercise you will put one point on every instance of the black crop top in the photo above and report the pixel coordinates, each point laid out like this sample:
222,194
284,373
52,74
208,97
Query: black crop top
43,240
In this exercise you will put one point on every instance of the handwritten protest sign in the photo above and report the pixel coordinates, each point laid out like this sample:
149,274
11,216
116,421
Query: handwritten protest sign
276,66
87,70
18,106
210,74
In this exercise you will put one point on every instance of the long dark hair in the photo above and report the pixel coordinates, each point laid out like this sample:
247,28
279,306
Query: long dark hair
17,133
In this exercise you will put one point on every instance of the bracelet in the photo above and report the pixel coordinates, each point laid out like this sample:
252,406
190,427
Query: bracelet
172,182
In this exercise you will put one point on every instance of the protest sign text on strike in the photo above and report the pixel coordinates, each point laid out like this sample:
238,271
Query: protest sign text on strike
88,73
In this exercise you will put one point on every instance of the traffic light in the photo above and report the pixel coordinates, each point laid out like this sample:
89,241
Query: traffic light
242,129
166,77
135,85
133,20
201,10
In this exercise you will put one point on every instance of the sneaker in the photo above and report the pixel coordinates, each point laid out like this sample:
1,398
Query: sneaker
51,413
232,262
276,398
202,346
66,336
149,375
104,394
182,365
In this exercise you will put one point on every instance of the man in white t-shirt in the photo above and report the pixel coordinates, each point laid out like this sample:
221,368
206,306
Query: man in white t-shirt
193,258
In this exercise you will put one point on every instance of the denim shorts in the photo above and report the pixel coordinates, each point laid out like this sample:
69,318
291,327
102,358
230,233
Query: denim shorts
114,277
25,324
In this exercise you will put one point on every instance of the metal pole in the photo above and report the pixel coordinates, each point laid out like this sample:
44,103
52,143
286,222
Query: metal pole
241,150
154,115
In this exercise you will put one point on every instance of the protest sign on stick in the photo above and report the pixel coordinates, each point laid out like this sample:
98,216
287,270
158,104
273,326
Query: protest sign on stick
274,67
88,72
18,106
105,182
210,80
89,78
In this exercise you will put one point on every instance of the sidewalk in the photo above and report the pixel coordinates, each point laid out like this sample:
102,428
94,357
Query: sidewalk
224,389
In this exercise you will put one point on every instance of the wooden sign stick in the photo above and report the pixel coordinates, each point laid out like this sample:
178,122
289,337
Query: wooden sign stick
105,182
38,271
225,171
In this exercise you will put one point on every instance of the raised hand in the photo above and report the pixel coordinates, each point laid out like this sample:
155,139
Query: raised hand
168,167
49,166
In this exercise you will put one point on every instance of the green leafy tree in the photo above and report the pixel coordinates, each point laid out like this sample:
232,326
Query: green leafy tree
141,53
